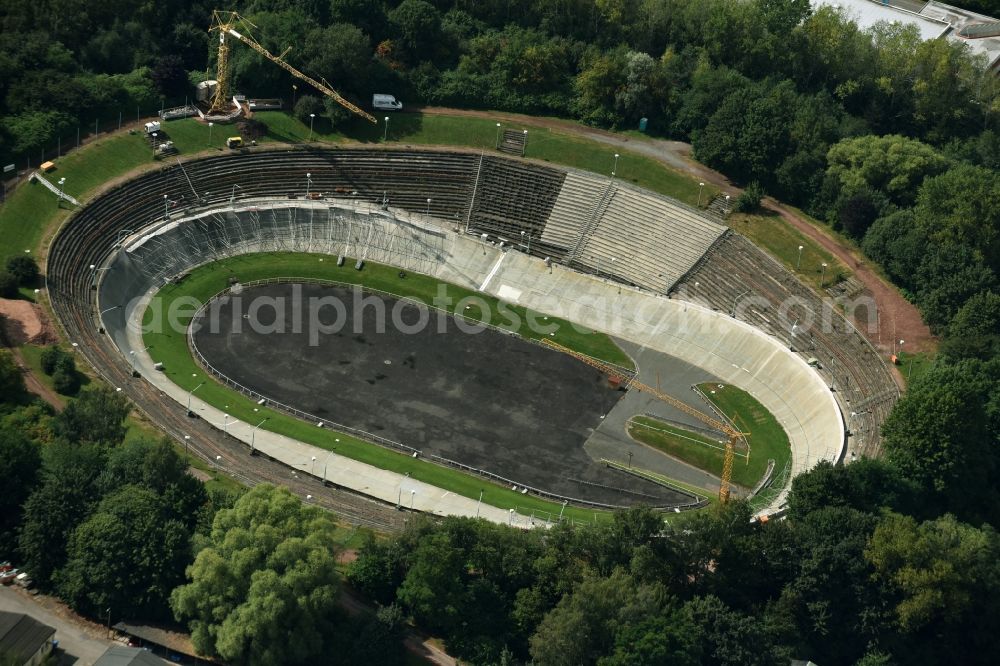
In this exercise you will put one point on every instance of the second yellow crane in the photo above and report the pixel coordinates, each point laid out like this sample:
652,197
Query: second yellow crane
628,381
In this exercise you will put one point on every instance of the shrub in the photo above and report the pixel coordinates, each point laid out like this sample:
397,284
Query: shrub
749,199
50,359
8,285
24,269
65,381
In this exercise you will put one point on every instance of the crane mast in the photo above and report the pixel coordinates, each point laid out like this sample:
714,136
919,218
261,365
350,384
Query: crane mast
628,381
226,23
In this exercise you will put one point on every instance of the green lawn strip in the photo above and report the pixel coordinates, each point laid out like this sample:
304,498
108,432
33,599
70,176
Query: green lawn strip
703,452
170,348
767,439
782,241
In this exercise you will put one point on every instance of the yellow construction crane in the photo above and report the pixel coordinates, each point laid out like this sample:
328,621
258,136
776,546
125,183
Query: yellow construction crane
628,381
226,24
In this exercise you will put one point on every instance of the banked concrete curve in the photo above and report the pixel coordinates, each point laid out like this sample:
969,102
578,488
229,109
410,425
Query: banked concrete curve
730,349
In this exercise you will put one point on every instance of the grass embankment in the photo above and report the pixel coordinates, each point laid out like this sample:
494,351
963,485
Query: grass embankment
782,241
170,348
549,145
767,439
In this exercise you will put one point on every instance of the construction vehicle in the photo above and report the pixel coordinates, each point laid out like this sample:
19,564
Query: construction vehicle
621,378
226,24
234,142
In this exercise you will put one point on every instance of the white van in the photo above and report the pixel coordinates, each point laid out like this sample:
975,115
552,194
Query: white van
386,103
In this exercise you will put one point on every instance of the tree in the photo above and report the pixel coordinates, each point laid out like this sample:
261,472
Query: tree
97,416
417,24
128,556
729,638
307,106
20,462
893,165
264,590
867,484
943,576
12,387
68,492
24,269
51,358
8,285
974,332
939,437
585,626
749,199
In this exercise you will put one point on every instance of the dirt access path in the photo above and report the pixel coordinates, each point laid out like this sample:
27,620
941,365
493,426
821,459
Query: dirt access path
896,313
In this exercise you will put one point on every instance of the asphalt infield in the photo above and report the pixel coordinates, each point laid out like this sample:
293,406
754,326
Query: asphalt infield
490,400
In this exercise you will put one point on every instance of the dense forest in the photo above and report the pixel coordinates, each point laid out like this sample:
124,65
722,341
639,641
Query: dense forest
892,141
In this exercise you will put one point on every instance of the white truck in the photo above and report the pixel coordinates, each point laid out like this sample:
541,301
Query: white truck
386,103
152,127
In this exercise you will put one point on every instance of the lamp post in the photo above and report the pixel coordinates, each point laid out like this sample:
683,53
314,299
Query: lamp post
312,469
385,130
614,169
166,207
62,183
798,262
412,494
525,148
428,206
253,434
210,126
312,117
497,145
701,188
309,182
232,196
218,462
225,424
190,393
326,463
736,300
727,204
822,280
480,502
187,441
630,460
510,517
523,235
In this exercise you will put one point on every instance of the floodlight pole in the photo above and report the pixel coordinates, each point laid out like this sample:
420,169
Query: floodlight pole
798,262
497,146
312,117
385,130
191,393
253,434
614,169
701,188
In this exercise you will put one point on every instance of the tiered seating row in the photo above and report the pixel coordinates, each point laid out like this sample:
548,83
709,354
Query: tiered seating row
513,197
574,208
654,241
737,277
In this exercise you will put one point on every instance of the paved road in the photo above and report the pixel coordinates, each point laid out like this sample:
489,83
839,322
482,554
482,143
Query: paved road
80,642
